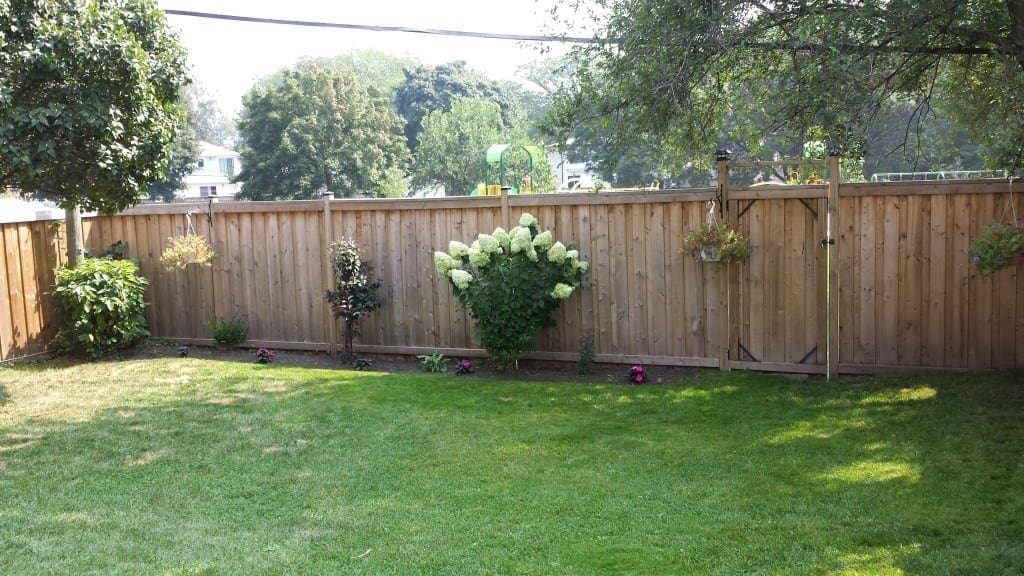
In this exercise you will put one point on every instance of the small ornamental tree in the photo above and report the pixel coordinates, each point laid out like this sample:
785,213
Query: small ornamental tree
354,294
511,283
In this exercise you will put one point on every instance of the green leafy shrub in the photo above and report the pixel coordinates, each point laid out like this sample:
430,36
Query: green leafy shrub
100,305
354,294
435,363
511,283
998,246
229,332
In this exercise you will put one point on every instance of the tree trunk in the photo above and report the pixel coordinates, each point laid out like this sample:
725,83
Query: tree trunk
1016,10
75,239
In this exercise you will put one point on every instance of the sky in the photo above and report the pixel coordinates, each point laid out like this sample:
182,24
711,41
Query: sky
227,57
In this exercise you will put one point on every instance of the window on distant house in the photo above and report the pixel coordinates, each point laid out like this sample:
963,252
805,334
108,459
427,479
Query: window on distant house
201,163
227,166
205,191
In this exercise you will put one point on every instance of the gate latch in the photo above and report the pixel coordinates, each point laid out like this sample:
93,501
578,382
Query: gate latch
828,242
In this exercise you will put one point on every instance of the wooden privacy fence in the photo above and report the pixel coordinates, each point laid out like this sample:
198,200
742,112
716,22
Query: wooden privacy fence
895,291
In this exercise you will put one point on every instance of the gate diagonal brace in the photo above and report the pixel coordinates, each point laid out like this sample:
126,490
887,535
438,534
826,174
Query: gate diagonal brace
808,355
809,207
743,350
744,211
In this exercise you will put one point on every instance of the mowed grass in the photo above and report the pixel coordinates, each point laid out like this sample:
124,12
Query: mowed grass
189,466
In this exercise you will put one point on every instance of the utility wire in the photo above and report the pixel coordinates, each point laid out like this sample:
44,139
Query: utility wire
432,31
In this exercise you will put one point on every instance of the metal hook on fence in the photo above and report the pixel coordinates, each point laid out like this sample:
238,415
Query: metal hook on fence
189,228
712,220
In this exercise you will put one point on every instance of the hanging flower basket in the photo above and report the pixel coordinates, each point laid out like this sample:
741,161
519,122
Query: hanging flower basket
188,249
714,242
998,246
184,250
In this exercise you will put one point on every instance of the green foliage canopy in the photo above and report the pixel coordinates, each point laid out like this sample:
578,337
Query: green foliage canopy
679,70
452,145
314,127
429,88
88,99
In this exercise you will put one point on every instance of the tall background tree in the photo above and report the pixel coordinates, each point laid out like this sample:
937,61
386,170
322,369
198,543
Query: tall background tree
452,145
427,89
88,101
312,127
678,71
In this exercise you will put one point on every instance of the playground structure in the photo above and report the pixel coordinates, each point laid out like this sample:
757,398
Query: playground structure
509,167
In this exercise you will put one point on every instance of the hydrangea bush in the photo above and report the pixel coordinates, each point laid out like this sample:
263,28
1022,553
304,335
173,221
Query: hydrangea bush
511,282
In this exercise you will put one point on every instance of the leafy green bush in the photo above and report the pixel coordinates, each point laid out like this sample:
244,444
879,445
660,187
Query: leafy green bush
998,246
354,294
435,363
229,332
100,305
511,283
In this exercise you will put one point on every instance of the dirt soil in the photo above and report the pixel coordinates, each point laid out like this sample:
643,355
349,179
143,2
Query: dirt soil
528,371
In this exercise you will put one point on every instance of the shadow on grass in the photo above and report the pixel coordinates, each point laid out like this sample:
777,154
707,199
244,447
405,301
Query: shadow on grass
273,470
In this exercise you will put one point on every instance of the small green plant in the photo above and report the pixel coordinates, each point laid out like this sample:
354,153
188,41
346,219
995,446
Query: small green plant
586,359
716,243
100,305
998,246
435,363
184,250
355,290
229,332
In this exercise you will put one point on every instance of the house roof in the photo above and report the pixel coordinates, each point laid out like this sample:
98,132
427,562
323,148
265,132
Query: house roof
208,150
18,210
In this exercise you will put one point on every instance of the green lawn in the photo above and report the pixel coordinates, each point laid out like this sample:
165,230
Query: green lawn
190,466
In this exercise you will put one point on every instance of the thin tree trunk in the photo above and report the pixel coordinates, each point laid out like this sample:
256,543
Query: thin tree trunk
75,239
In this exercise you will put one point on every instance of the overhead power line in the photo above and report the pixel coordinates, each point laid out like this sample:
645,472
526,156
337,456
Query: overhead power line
370,28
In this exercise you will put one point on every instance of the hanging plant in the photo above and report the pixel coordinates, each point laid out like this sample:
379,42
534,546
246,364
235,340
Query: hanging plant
188,249
1000,244
714,242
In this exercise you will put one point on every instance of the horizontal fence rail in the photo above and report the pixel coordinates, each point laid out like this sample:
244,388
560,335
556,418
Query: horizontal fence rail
907,297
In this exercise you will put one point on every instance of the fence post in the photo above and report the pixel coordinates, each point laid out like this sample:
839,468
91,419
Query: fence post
724,271
505,209
326,237
832,228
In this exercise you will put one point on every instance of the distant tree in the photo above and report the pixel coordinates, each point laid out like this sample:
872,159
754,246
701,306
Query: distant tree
427,89
88,100
676,70
375,69
208,120
313,128
452,145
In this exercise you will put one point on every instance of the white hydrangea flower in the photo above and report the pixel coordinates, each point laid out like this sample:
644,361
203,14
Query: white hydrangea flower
457,249
461,278
478,257
521,240
573,254
543,240
556,253
532,254
503,238
582,266
527,220
475,244
489,244
444,264
561,291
